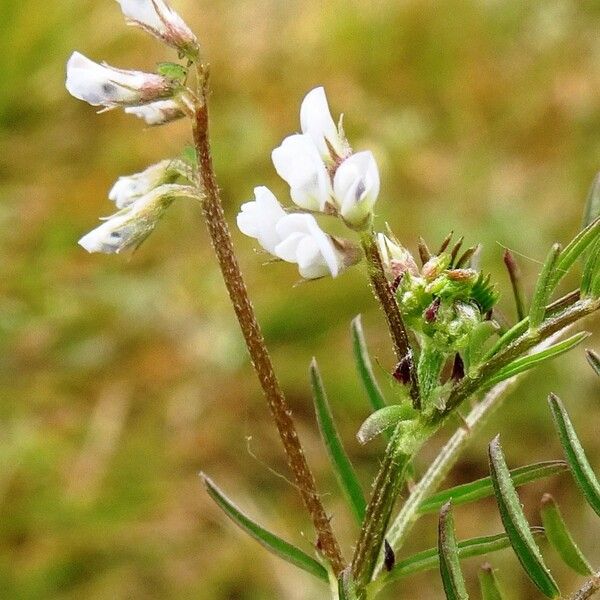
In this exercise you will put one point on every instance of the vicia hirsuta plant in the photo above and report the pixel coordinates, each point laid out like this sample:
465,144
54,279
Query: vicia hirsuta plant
439,307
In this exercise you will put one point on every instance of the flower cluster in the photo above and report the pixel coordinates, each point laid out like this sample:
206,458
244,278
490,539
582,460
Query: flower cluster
156,98
324,176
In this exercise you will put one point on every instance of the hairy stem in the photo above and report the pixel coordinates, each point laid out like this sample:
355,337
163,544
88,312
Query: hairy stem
386,487
280,410
589,588
383,293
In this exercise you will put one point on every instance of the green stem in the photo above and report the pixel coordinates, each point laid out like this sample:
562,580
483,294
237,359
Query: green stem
280,410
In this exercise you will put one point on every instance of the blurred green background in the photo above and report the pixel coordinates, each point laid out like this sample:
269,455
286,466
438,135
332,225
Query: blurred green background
122,377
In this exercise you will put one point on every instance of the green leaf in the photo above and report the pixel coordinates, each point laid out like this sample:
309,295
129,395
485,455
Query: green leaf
488,583
578,462
382,420
483,488
594,360
267,539
543,288
363,365
428,560
531,360
591,271
559,536
576,248
344,472
592,205
515,523
452,577
346,588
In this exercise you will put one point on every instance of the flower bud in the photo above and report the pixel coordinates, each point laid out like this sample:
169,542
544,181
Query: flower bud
318,125
128,189
396,259
157,113
356,187
161,21
259,218
132,225
103,85
316,253
297,161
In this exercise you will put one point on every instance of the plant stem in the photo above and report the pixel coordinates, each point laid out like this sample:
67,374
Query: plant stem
280,410
588,589
383,293
386,487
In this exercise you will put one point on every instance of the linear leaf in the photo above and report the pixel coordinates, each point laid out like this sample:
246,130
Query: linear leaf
427,560
559,536
575,455
452,577
488,583
363,365
483,488
531,360
591,268
543,288
594,360
267,539
574,249
382,420
592,205
342,467
516,525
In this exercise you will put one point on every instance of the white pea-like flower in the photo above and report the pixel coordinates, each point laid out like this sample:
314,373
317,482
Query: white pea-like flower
158,19
259,218
396,259
317,123
298,162
132,225
356,187
103,85
157,113
127,189
307,245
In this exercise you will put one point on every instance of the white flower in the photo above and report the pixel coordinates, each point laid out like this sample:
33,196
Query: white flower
305,243
103,85
132,225
396,259
157,18
126,190
259,218
157,113
298,162
317,123
356,187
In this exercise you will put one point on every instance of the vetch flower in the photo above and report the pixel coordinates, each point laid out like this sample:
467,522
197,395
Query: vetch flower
132,225
396,259
158,19
316,122
259,218
126,190
316,253
157,113
356,187
103,85
298,162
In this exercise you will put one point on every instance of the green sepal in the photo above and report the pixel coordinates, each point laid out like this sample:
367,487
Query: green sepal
575,455
488,583
560,537
452,577
269,540
483,488
172,70
516,525
382,420
342,467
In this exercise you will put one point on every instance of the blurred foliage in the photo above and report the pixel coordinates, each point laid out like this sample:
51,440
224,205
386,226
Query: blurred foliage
122,377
